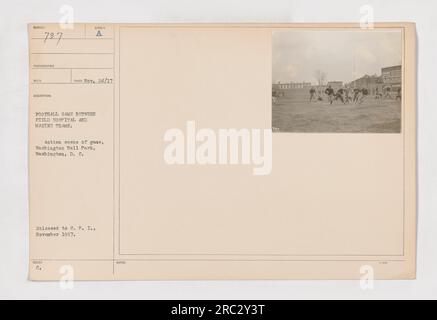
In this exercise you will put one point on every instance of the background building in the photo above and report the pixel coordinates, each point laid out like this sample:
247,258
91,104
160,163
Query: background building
291,85
335,84
392,78
373,84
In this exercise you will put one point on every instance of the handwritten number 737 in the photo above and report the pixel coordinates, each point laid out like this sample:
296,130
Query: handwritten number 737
53,36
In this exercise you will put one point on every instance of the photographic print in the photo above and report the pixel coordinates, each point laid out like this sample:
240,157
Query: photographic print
337,81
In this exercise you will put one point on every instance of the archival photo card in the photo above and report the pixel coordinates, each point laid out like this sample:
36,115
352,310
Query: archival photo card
337,80
152,156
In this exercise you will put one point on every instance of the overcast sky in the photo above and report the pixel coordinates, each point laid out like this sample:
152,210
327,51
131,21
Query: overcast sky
342,55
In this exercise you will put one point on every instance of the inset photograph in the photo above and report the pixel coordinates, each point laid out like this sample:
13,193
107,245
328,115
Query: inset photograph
337,81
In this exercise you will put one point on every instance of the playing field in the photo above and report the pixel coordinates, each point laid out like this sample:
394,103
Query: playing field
294,114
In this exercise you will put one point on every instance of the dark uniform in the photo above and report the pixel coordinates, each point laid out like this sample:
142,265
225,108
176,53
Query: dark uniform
364,94
312,94
347,97
399,95
356,94
339,95
330,93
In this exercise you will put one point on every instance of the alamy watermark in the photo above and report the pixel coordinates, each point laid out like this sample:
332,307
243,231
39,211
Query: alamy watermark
367,280
66,21
66,282
207,146
367,20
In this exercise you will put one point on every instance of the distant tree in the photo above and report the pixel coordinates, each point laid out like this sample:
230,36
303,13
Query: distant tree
320,77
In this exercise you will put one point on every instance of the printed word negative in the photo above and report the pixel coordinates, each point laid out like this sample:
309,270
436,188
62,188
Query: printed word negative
220,147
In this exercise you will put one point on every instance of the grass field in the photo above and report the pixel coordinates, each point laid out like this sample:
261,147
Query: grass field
294,114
